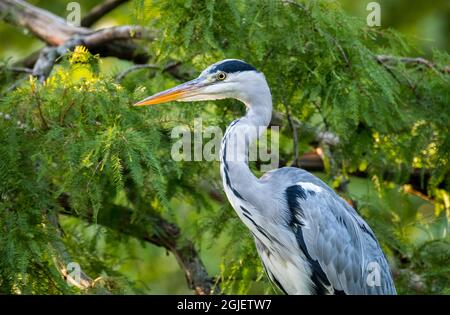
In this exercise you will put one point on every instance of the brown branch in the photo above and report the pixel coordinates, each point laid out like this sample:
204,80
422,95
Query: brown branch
156,230
111,34
54,31
99,11
44,25
108,41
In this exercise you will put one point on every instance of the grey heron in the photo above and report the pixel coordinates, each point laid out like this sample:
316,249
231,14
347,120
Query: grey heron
309,239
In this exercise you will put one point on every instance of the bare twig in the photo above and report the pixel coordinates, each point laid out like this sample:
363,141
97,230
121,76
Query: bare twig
46,61
19,69
124,73
28,61
295,3
383,59
90,18
99,11
171,68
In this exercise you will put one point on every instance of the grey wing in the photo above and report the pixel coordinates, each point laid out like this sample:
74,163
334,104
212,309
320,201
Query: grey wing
340,247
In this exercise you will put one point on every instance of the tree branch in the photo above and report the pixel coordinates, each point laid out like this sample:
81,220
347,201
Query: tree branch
106,40
18,69
99,11
313,162
171,68
124,73
159,232
91,17
28,61
54,31
63,259
417,183
110,34
44,25
383,59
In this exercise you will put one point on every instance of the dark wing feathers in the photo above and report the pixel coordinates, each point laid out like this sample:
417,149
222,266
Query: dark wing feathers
336,242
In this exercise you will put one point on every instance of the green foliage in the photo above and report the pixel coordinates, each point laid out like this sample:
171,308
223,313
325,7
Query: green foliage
391,119
77,134
416,236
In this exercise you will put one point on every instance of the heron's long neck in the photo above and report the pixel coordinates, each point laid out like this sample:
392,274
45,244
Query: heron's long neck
239,136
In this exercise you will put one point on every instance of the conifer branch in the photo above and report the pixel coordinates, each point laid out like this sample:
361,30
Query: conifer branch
63,259
383,59
159,232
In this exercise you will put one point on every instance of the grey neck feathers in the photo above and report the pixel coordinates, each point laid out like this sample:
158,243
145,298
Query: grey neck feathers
240,134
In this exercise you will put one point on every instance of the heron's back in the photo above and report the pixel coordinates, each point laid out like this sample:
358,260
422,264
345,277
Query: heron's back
311,241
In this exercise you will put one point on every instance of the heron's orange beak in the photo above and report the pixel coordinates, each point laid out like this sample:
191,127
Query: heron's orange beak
174,94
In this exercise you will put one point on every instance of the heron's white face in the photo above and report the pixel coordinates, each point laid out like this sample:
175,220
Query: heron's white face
219,81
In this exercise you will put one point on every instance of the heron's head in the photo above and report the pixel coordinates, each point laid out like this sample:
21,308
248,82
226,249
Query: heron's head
230,78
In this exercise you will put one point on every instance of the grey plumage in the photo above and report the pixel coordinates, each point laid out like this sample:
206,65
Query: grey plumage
309,239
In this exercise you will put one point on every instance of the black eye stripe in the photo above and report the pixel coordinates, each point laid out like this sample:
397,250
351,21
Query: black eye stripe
231,66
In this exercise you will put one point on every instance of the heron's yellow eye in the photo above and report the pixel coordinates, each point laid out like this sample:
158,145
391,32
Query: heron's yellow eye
221,76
